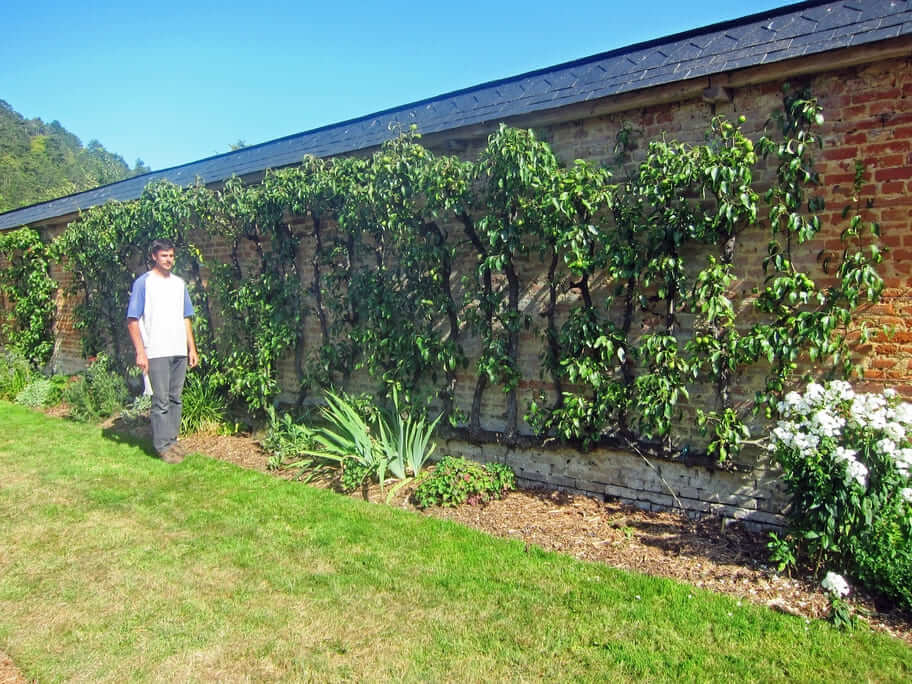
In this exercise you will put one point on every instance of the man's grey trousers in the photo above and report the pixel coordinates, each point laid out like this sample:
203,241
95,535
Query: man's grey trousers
166,375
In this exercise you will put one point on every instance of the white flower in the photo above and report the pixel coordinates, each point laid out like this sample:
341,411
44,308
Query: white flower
814,393
858,471
869,410
906,493
902,459
826,423
886,446
903,455
805,443
835,584
889,393
895,431
840,390
902,413
792,405
843,454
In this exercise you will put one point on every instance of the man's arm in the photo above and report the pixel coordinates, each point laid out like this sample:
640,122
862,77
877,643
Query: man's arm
141,359
192,356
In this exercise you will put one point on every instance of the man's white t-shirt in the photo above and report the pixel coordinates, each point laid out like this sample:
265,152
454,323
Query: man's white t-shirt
161,303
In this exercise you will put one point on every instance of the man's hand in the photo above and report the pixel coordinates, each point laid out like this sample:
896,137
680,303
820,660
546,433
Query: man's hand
192,356
142,361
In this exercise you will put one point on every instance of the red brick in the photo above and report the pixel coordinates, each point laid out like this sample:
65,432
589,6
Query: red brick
890,240
893,174
887,107
892,188
836,153
888,161
838,178
896,214
855,112
861,98
892,146
856,139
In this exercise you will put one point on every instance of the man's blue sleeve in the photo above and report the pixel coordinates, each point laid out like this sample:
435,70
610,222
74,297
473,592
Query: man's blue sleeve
188,305
137,298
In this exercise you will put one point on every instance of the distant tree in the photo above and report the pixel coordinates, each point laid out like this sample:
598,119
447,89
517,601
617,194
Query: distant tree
240,144
42,161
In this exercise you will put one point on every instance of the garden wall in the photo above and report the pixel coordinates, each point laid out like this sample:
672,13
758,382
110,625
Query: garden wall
867,136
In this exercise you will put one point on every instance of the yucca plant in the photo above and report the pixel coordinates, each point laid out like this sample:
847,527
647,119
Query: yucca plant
348,436
405,441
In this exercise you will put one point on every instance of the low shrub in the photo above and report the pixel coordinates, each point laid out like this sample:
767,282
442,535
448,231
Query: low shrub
41,391
846,459
204,406
98,393
290,444
139,408
354,474
15,373
456,481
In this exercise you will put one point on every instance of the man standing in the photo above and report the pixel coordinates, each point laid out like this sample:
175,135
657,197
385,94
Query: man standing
158,319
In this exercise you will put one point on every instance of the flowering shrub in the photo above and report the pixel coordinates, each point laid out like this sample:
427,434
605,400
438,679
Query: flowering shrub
837,587
835,584
846,460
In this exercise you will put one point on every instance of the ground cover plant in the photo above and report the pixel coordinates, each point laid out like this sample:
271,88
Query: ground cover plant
42,391
116,566
456,481
204,406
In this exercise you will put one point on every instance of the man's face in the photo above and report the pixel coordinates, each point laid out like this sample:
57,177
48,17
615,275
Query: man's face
164,260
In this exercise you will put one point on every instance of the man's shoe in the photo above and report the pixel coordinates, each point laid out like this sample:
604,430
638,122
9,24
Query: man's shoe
173,454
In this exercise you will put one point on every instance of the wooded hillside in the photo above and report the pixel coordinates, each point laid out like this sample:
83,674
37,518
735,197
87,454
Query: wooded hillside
42,161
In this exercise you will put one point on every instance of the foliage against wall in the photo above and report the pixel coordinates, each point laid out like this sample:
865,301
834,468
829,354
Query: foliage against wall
26,285
405,257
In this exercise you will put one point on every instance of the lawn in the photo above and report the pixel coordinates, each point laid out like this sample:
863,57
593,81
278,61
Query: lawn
116,566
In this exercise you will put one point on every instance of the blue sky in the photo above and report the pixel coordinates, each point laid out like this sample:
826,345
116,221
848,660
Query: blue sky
173,82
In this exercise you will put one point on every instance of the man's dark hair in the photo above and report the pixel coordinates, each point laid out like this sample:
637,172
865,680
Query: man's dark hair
160,244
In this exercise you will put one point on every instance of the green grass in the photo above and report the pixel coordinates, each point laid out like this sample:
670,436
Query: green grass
115,566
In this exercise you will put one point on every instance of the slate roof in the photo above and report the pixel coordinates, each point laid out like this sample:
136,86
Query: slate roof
796,30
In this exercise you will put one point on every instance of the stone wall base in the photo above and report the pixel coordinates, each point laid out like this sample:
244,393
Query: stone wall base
755,497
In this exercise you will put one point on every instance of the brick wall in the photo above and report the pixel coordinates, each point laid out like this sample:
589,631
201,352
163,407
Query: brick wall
868,120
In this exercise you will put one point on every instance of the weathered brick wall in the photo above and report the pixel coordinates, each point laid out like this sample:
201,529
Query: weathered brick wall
868,120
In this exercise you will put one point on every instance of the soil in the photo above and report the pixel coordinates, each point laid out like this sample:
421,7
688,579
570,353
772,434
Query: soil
711,553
